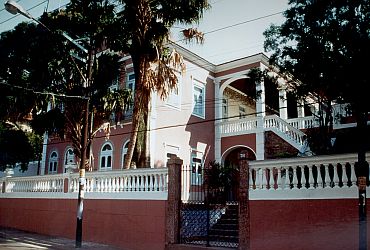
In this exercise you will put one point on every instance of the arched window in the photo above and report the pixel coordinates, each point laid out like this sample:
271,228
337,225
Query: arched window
69,159
124,152
53,163
106,155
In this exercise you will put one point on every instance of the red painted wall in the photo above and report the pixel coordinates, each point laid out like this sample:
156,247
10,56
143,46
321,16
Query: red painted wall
128,224
305,224
133,224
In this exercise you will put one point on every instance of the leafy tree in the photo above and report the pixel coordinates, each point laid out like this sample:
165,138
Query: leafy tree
11,141
42,61
143,30
320,49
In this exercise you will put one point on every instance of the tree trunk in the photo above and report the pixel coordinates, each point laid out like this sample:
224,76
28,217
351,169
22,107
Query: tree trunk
134,131
139,102
144,158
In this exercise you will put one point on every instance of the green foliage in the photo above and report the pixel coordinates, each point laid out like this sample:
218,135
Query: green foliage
142,29
320,50
219,180
14,148
40,61
321,47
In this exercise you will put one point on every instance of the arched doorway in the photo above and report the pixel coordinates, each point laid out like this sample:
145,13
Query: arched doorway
230,161
230,156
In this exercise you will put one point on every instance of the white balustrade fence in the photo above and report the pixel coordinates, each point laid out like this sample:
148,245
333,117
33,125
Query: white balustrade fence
45,183
319,172
136,180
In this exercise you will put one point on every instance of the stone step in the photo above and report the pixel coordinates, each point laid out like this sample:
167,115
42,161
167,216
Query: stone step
224,232
226,226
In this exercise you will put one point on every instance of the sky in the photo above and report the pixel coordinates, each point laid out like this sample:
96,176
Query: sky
233,28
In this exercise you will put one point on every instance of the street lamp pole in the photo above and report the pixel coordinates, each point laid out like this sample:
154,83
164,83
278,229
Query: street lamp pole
14,8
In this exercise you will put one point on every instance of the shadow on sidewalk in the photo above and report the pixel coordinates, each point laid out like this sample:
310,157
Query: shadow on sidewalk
17,239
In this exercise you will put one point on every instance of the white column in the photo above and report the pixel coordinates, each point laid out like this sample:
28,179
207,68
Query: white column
300,109
44,148
218,116
283,104
260,103
261,113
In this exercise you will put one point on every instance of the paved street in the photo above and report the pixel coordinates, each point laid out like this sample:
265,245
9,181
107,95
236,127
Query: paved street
20,240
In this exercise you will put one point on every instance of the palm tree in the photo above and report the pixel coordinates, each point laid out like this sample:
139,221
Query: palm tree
143,30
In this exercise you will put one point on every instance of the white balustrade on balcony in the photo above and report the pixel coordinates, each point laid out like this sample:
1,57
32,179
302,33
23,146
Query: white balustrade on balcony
239,126
285,130
303,122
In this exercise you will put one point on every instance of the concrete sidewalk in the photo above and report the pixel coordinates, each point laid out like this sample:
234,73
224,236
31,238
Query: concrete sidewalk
20,240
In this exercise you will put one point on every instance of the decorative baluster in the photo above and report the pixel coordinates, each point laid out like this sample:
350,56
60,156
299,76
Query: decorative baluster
120,184
303,177
146,186
311,180
142,183
264,178
114,184
103,184
327,177
344,175
272,179
295,178
98,184
353,175
336,177
156,177
88,185
110,184
251,179
287,179
150,184
125,183
129,184
279,179
162,184
320,179
257,180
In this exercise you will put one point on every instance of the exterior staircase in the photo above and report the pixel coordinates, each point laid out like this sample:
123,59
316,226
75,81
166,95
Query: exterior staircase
284,130
225,230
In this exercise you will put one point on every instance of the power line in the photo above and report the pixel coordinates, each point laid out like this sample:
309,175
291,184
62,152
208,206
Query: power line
43,93
37,5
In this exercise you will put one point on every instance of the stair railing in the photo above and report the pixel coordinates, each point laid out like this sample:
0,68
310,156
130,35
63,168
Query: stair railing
283,129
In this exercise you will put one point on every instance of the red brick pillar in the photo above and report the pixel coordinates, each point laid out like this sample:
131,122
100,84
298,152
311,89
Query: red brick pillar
244,214
173,201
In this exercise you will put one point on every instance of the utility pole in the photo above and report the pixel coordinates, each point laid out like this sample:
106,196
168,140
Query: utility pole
362,173
84,161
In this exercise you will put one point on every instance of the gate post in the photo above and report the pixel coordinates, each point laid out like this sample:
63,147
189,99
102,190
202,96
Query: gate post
173,201
244,214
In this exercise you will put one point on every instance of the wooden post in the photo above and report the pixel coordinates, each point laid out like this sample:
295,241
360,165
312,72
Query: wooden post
244,214
173,201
